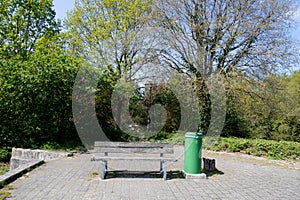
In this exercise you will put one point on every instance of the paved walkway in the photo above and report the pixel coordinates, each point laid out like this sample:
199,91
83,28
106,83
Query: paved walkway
244,177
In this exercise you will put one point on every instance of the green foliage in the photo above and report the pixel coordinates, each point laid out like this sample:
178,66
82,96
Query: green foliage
162,135
4,167
36,97
4,155
141,101
282,150
23,23
267,109
118,20
176,137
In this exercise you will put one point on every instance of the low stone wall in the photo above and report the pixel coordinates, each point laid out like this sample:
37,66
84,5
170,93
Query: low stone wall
21,157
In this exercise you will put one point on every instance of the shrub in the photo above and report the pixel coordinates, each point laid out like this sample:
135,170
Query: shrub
4,155
259,147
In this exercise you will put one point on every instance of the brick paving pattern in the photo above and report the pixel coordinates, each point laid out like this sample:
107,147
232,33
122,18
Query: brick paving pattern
244,177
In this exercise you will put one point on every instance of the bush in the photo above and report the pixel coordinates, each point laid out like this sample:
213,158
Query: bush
281,150
4,155
36,100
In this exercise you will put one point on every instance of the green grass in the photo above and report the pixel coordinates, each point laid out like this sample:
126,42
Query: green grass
4,195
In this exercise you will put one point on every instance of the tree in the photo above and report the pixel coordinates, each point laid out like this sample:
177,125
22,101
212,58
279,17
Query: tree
108,34
250,36
268,108
36,97
144,98
23,22
225,36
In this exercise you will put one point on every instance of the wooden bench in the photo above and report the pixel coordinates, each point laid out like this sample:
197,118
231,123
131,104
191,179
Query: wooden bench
105,151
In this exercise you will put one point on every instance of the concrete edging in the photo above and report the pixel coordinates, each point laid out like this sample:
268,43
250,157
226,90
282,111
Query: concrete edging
194,176
12,175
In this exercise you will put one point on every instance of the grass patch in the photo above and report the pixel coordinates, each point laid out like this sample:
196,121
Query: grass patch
94,174
4,195
8,187
4,167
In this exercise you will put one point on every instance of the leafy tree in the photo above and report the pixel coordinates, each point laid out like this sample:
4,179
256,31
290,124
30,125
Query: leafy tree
269,107
141,101
23,23
108,34
36,101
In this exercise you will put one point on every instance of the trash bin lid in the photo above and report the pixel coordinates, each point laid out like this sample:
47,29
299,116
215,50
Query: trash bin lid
195,135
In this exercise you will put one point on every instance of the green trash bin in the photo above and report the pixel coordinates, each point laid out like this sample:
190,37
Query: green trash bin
192,153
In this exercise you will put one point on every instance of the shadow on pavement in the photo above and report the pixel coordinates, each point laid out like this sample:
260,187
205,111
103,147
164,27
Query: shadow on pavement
215,172
143,174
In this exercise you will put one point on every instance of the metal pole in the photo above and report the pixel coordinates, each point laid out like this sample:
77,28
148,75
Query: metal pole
148,108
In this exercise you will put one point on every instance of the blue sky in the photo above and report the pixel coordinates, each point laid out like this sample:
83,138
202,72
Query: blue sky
62,6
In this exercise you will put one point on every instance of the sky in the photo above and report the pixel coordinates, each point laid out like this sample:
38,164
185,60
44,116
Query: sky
62,6
296,32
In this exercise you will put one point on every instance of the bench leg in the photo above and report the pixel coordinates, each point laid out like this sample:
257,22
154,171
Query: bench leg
161,167
161,163
103,169
165,170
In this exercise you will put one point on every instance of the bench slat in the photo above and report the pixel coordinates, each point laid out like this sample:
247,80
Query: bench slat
133,150
134,158
133,144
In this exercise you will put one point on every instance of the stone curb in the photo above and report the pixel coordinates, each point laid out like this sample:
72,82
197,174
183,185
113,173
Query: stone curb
18,172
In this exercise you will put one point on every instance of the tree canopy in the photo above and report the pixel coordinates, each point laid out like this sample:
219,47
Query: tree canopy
23,22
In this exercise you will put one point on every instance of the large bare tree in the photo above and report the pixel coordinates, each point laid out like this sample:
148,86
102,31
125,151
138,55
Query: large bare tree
205,37
226,35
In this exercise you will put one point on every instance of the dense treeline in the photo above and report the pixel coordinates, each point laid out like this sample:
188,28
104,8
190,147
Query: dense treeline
39,64
36,104
269,109
36,78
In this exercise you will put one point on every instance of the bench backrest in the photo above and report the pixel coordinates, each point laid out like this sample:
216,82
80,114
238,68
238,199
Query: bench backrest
133,147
